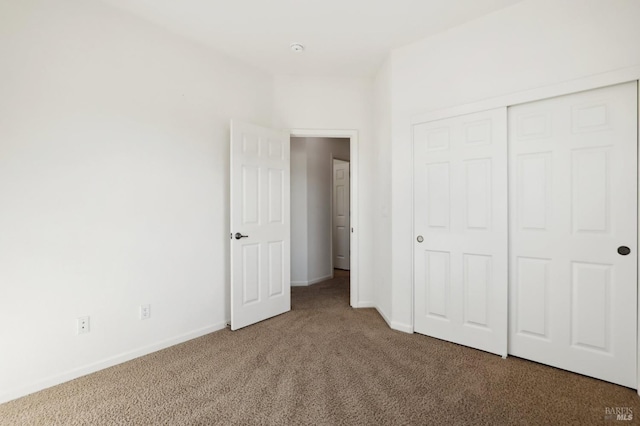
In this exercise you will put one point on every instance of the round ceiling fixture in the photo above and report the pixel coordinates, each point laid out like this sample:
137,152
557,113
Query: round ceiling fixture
297,47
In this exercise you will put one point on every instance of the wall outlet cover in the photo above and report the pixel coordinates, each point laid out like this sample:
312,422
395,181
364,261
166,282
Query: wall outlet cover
145,311
83,325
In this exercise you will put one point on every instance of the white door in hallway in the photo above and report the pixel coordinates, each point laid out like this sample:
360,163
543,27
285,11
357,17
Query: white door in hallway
573,219
460,223
341,214
260,224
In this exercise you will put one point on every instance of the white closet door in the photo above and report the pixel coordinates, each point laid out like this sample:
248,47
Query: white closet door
460,243
573,204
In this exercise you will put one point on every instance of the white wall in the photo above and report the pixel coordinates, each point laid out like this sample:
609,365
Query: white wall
299,239
529,45
114,181
314,186
382,208
337,103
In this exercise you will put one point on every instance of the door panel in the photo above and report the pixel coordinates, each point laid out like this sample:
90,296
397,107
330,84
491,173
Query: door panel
460,186
260,262
573,202
341,215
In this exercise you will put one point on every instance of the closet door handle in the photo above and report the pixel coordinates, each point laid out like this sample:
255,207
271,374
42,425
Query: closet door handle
239,235
420,238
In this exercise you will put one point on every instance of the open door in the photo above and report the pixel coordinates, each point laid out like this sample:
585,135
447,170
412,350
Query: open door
341,213
260,224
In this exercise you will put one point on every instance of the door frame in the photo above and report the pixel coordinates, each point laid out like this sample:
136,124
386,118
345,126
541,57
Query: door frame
352,135
624,75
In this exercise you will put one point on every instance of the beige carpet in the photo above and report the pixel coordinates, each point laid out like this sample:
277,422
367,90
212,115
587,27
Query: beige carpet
323,363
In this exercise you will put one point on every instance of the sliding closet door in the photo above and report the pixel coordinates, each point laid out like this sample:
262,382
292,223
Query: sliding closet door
573,228
460,244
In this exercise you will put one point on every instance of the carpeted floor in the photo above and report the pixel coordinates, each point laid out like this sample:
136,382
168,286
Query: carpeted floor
323,363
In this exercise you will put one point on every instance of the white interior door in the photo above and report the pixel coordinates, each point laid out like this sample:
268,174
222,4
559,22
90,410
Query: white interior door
573,203
260,224
341,226
460,215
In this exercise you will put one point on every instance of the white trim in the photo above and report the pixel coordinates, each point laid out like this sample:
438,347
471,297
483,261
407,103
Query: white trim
320,279
413,234
405,328
638,255
331,159
384,316
108,362
610,78
366,305
311,282
354,164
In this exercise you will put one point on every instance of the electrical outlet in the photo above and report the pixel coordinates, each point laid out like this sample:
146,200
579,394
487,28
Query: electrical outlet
145,312
83,325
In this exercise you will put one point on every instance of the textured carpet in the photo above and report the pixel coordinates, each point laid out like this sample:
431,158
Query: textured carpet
323,363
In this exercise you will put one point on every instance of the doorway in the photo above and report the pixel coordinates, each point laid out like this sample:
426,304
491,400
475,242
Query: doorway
312,249
261,231
313,208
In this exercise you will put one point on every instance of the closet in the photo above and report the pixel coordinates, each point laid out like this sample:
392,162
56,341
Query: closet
525,221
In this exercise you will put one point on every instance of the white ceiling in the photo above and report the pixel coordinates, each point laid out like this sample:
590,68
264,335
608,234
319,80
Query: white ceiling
341,37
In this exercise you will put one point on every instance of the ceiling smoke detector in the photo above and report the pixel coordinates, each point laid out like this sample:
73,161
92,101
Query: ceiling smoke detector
297,47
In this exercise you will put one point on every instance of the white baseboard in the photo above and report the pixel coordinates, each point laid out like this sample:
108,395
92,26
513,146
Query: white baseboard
401,327
311,282
106,363
384,316
319,280
366,305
